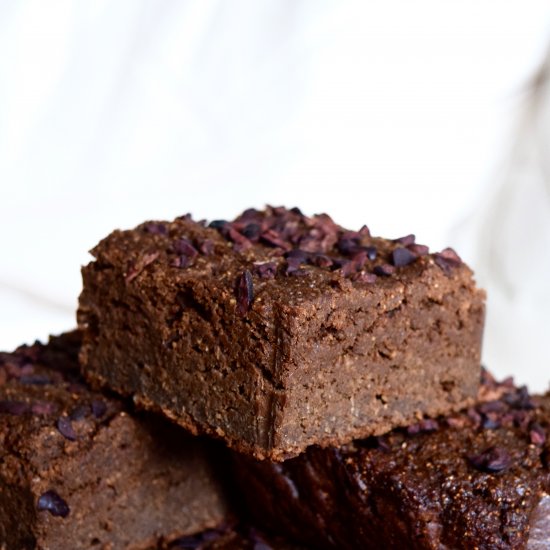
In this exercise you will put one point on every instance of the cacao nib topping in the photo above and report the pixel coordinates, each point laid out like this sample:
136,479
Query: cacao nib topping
364,231
80,412
185,248
371,252
364,277
320,260
406,240
140,265
66,428
156,228
520,399
252,232
402,257
50,501
43,408
244,293
266,270
419,249
426,425
15,408
99,408
272,238
218,224
35,380
492,460
206,247
447,259
296,210
537,434
384,270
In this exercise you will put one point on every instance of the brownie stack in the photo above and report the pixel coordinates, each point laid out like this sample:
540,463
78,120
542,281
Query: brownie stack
341,370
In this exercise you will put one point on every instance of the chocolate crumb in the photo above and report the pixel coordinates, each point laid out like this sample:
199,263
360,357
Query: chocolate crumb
402,257
53,503
492,460
244,293
206,247
66,428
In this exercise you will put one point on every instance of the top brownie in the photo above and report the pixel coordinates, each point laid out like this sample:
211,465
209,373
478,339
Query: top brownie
277,330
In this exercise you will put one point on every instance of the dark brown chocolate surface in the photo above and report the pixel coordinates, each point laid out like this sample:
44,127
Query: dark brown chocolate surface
478,479
278,331
77,471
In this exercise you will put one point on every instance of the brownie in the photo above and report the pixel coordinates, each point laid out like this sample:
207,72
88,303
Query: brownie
78,471
277,330
475,479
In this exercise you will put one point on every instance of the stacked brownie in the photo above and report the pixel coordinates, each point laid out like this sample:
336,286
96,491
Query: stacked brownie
342,369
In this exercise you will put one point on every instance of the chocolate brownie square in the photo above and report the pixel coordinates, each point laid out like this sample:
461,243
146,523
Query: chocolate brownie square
77,470
277,331
475,479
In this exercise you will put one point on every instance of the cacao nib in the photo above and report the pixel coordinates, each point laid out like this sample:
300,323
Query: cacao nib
35,380
402,257
320,260
450,255
156,228
99,408
53,503
371,252
218,224
419,249
43,408
406,240
364,231
252,232
492,460
266,270
537,434
272,238
185,248
244,293
206,247
384,270
140,265
66,428
82,411
15,408
364,277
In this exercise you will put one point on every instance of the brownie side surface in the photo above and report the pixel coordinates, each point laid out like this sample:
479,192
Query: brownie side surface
476,479
277,330
78,471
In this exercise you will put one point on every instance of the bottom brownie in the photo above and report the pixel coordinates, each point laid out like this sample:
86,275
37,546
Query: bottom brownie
478,479
78,471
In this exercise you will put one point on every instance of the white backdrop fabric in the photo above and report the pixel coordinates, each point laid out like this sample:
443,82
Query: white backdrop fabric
400,115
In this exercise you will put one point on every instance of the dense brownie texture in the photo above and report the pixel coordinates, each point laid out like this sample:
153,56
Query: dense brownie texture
278,331
477,479
77,471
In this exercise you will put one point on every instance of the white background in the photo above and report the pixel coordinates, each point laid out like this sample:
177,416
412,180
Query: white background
404,116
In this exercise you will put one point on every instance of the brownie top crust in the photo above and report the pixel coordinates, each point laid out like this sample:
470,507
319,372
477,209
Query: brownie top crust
278,251
475,479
